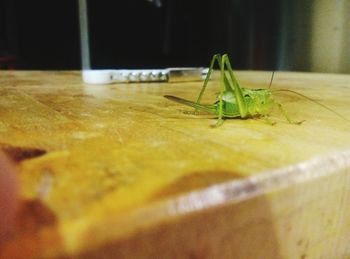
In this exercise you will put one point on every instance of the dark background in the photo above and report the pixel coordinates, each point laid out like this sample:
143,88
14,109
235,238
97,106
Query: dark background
137,34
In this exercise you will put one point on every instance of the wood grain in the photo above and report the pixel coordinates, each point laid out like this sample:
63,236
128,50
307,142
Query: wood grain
121,172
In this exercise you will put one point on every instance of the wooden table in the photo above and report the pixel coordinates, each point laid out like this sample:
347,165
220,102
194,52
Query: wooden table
118,171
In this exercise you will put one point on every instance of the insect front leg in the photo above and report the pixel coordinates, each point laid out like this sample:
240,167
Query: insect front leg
285,114
268,121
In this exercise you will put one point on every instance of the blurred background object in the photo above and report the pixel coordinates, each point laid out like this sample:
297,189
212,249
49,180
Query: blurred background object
314,36
9,198
296,35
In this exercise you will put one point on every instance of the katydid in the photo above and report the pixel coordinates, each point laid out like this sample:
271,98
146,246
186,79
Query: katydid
233,101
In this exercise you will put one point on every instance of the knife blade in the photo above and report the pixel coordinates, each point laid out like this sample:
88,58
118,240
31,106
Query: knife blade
177,74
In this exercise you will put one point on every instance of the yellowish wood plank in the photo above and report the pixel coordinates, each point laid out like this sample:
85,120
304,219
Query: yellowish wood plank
101,159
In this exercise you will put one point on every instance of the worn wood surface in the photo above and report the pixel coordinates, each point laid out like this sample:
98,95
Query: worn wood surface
119,171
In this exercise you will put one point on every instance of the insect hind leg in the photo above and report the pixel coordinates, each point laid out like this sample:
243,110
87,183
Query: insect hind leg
216,57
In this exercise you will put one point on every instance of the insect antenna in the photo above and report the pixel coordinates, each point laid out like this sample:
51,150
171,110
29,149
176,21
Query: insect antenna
314,101
273,73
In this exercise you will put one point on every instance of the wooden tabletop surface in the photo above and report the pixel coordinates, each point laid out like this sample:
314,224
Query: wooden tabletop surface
119,171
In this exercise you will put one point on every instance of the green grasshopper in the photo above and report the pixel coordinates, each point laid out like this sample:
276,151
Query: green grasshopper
233,101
